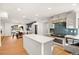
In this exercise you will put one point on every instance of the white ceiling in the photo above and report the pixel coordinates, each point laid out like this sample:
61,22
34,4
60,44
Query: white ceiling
32,11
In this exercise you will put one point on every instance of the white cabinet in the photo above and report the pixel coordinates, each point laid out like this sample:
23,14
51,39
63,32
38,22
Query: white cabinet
54,20
77,19
51,25
68,17
37,44
78,23
71,20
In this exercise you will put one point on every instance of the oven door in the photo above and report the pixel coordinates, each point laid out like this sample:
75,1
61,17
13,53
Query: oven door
72,46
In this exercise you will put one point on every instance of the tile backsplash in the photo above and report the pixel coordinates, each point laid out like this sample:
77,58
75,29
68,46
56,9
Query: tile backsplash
72,31
60,29
64,31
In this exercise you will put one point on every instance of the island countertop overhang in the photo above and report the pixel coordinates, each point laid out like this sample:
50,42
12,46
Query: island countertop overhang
39,38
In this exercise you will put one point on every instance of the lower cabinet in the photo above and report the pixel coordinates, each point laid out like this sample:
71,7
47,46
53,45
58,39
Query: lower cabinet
59,50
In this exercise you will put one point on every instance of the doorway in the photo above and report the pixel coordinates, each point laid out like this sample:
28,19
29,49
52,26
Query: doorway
35,29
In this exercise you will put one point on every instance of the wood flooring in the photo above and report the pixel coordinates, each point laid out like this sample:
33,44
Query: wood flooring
59,50
12,46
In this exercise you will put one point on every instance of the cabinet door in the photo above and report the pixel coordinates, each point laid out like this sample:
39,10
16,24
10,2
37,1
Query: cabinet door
71,20
77,19
52,25
59,50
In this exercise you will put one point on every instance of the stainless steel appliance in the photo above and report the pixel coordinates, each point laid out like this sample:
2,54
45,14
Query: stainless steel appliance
72,45
59,40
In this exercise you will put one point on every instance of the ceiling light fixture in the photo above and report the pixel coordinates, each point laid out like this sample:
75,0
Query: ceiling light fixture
36,15
49,8
18,9
24,16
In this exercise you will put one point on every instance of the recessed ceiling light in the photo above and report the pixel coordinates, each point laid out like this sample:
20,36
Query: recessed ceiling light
49,8
36,15
74,4
18,9
24,16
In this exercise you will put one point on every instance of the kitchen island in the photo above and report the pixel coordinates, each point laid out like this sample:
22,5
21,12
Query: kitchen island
38,44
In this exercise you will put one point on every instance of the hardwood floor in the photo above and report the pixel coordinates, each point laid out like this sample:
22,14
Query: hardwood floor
59,50
12,46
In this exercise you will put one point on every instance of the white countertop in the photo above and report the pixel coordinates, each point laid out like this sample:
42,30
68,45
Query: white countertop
39,38
73,36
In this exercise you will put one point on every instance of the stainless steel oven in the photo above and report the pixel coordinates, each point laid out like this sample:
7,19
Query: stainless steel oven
58,41
72,45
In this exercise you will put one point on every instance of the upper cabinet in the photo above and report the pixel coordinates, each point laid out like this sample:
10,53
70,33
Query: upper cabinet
71,20
58,18
68,17
52,26
77,19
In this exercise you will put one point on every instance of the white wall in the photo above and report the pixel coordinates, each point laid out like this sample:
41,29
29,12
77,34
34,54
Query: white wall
39,28
7,28
45,28
3,27
0,26
42,28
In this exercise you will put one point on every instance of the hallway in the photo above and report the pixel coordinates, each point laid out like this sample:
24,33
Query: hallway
12,46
